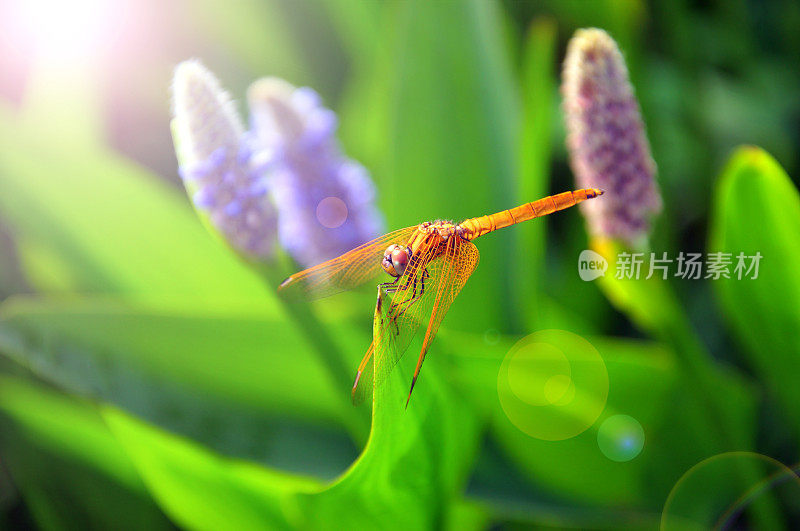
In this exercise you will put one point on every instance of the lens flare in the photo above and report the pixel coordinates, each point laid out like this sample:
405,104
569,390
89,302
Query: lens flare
68,30
620,438
553,385
331,212
728,491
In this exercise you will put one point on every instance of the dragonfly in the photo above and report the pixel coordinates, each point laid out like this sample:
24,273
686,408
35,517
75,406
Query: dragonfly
429,264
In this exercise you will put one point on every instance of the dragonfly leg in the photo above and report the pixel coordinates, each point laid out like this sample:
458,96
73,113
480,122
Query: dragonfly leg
394,310
391,289
416,296
422,354
403,305
388,287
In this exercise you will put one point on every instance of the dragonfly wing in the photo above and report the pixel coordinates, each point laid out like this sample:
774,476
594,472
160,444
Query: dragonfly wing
423,295
365,376
459,261
343,272
398,314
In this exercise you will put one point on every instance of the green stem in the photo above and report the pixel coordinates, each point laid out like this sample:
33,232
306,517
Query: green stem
653,306
356,421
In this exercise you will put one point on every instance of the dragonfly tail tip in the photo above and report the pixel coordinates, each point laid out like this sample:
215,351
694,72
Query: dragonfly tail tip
284,283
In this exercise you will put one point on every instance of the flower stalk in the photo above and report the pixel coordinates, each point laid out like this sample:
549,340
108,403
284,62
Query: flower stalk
232,175
609,149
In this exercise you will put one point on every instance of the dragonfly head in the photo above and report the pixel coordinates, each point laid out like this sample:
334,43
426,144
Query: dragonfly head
395,259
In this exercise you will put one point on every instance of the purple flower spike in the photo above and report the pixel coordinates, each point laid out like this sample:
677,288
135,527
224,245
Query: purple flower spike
221,170
324,200
606,138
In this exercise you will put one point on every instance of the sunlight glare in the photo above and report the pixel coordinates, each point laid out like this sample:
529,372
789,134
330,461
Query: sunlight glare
66,30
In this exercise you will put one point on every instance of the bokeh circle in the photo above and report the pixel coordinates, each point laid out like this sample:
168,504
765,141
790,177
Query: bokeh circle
491,336
620,438
331,212
730,491
553,385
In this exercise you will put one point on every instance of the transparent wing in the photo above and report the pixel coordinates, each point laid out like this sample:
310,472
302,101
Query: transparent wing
397,310
365,376
344,272
461,260
424,295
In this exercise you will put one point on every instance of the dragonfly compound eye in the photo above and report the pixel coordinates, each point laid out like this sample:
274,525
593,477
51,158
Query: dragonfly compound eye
400,258
395,259
387,263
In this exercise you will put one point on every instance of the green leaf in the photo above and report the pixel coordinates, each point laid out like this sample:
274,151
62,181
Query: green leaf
645,384
757,210
623,19
68,467
187,369
357,24
89,221
452,135
539,87
200,490
416,460
653,306
414,465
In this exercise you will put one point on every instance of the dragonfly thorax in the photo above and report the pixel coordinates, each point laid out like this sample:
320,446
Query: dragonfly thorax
442,228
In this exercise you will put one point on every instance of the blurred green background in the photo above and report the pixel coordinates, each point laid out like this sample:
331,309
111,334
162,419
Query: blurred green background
150,379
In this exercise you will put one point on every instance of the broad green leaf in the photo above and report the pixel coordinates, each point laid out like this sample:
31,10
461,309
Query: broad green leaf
538,89
416,460
69,468
90,221
201,490
421,455
757,210
623,19
651,304
357,24
415,464
465,515
643,383
184,368
452,135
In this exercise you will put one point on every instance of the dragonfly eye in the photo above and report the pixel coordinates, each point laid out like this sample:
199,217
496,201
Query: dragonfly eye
387,263
395,260
400,258
388,267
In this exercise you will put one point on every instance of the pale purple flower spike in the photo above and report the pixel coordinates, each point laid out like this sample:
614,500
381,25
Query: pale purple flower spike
225,176
606,138
325,201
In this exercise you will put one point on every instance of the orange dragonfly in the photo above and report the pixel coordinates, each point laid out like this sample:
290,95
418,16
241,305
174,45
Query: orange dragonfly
430,263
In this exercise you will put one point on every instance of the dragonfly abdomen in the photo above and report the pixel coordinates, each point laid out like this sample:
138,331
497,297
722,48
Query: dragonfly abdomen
472,228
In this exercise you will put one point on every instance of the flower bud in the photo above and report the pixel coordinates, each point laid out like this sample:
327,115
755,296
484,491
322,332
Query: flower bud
606,139
225,176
